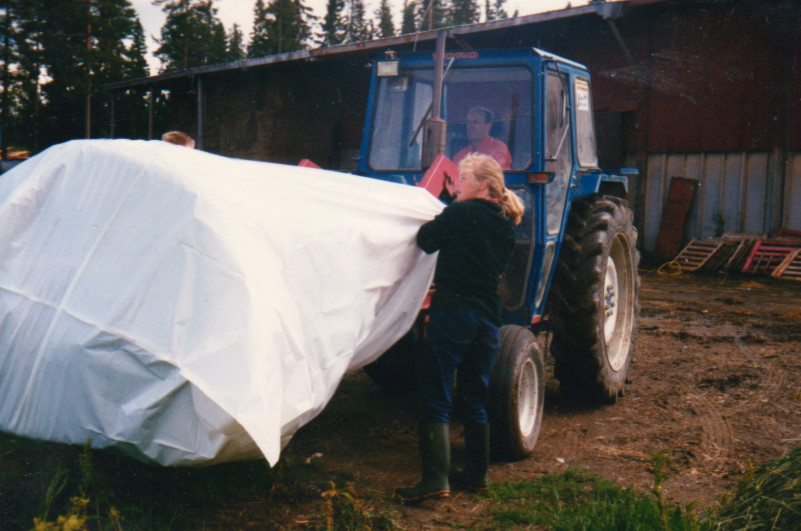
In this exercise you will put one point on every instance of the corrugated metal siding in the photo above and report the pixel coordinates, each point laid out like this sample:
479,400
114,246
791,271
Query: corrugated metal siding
792,193
738,192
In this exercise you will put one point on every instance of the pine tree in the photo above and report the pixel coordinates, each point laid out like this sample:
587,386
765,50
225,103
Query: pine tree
117,51
59,55
287,26
235,46
9,76
464,12
259,39
409,20
334,27
191,36
386,28
494,10
130,107
432,14
359,28
27,32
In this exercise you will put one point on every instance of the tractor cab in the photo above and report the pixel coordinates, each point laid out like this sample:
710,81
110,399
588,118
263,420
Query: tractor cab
529,109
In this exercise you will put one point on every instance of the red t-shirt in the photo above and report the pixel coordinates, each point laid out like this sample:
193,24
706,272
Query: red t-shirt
489,146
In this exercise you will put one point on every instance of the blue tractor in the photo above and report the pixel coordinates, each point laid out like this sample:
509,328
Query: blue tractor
574,268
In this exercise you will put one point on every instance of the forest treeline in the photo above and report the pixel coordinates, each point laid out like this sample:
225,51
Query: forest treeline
58,56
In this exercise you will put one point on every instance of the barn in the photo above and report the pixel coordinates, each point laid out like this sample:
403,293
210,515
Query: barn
705,90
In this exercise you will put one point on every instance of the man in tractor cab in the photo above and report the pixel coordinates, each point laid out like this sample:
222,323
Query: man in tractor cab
479,122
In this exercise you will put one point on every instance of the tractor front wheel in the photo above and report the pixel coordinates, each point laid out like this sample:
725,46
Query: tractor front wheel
517,394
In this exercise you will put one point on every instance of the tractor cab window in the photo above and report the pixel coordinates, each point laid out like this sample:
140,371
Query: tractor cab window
403,103
396,142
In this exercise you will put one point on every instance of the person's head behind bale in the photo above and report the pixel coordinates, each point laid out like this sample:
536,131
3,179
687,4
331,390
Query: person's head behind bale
179,138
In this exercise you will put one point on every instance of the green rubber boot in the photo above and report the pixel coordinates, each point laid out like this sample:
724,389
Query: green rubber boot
435,450
474,476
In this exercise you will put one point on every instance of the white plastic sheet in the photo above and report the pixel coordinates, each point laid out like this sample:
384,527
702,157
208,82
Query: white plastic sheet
191,308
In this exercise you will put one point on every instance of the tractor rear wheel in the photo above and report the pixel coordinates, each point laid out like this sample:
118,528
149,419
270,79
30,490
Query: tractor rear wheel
517,393
594,299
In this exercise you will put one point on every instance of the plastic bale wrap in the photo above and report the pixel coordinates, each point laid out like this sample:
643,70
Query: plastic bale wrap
191,308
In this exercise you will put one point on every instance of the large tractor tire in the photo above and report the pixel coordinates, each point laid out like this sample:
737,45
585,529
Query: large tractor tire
594,299
517,393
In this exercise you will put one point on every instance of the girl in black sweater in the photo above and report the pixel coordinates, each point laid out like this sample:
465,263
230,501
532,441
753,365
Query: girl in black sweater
474,237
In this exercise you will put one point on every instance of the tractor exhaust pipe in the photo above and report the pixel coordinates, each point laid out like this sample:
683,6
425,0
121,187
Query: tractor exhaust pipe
434,131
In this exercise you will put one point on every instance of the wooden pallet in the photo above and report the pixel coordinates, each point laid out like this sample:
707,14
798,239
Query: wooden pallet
790,268
720,259
741,251
697,253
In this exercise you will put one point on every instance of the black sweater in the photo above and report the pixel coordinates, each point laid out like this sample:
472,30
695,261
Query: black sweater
475,241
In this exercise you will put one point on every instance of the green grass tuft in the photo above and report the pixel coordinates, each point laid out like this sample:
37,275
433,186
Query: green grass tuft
768,497
580,500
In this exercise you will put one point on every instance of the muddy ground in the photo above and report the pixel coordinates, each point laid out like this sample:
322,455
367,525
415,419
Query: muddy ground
716,383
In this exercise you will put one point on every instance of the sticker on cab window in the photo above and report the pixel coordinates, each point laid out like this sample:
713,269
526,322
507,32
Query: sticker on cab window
582,95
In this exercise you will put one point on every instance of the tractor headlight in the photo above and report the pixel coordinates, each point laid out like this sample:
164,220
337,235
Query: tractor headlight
387,68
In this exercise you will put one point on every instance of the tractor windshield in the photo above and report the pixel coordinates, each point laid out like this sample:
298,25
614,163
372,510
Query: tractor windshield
504,95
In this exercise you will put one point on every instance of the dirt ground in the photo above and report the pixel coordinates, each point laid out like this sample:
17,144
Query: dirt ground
715,382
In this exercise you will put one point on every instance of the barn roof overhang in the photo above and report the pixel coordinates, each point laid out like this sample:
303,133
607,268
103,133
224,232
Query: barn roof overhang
462,34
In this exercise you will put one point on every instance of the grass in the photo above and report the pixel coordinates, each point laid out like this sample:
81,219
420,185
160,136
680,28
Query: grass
580,500
768,497
50,486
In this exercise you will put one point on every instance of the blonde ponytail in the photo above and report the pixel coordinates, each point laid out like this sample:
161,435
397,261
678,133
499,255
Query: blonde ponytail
486,168
512,206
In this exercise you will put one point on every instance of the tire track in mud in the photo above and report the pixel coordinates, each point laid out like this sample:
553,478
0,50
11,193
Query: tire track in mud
710,399
717,439
716,433
768,394
771,379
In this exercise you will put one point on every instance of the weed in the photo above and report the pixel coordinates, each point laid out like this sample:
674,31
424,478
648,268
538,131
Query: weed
54,488
345,510
659,462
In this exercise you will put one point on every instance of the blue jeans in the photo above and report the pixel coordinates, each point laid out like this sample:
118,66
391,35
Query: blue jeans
463,341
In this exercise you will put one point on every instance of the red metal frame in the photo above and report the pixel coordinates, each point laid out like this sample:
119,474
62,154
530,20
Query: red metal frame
441,175
766,255
306,163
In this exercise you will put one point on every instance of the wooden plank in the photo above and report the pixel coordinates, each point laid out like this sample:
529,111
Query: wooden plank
674,215
790,266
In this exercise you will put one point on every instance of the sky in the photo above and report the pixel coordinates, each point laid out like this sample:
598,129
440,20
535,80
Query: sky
240,12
